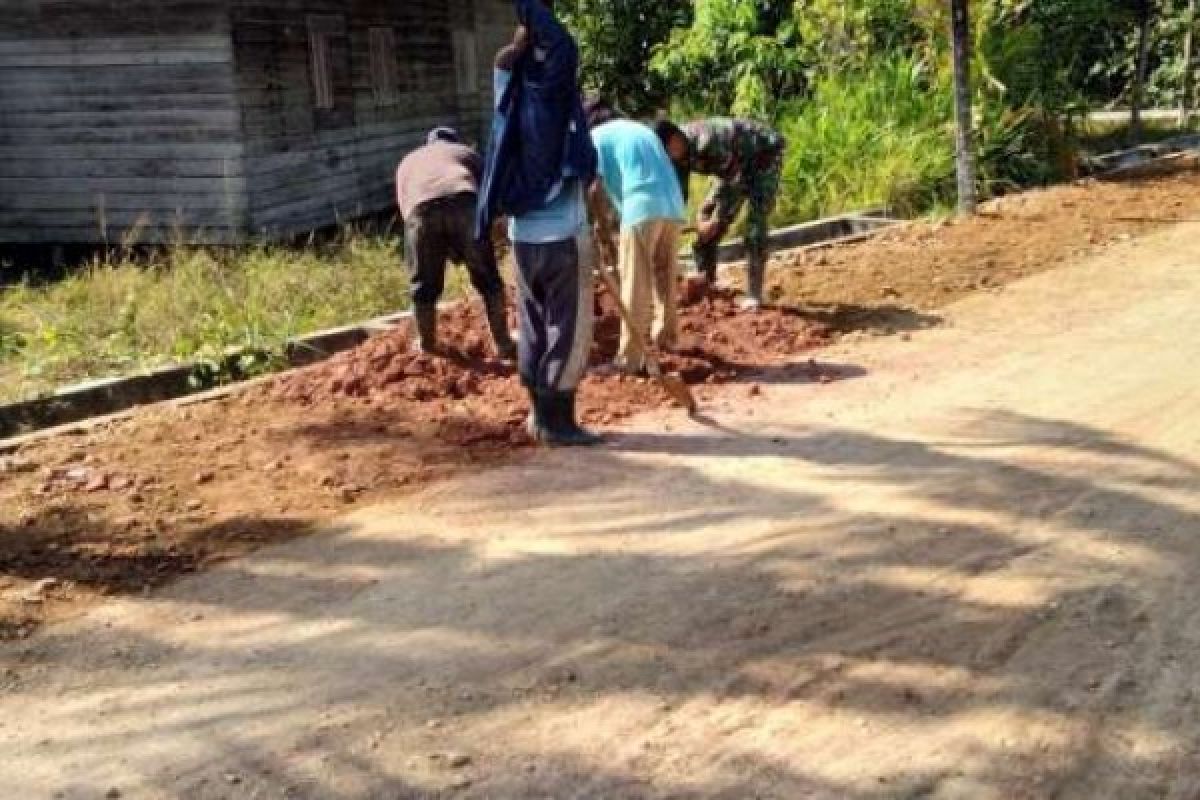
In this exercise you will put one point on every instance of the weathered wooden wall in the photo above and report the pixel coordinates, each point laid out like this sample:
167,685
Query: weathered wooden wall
197,117
118,115
307,167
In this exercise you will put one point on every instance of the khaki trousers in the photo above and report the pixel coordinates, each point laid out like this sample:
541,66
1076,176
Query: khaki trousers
648,262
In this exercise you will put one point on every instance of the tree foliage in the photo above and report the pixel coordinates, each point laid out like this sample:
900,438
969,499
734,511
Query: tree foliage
1036,62
749,55
617,38
736,55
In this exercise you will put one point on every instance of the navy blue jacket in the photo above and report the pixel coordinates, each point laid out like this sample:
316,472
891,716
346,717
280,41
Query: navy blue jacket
539,132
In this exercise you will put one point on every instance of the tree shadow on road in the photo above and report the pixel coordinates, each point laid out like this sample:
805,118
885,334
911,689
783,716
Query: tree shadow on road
823,613
855,317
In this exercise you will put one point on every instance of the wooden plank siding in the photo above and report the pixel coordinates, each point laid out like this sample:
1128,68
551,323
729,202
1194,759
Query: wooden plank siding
307,168
196,118
119,116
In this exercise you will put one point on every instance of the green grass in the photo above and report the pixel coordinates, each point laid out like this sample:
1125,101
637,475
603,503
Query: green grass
123,314
879,138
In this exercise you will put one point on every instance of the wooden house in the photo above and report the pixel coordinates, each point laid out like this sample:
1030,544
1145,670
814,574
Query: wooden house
219,120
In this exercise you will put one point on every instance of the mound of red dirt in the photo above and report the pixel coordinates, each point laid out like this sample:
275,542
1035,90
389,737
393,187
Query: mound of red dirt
718,344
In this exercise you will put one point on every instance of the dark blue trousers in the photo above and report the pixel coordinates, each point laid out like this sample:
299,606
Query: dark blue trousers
554,303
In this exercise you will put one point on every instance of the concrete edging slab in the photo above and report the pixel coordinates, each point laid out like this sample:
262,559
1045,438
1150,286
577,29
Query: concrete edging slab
827,231
1147,159
112,395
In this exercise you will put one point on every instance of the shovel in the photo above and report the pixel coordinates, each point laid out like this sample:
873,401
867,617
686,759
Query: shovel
673,385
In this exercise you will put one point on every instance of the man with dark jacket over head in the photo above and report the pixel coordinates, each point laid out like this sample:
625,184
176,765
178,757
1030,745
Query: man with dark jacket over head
539,161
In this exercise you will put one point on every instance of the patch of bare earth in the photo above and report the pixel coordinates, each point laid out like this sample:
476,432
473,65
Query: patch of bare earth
878,284
130,505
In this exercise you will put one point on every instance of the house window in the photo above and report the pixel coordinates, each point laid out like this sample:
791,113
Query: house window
321,31
383,65
466,62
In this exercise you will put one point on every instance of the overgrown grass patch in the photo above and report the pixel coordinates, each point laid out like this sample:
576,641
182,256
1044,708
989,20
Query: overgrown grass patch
879,138
122,313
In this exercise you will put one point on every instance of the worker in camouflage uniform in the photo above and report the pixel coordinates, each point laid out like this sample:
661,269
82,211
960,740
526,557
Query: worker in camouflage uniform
745,159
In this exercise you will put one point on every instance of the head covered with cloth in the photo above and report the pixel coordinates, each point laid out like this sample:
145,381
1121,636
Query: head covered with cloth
539,132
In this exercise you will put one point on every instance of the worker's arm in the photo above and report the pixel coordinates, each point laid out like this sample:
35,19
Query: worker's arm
507,57
708,222
401,185
603,222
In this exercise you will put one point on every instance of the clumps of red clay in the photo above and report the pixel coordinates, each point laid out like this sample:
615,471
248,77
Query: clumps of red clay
471,397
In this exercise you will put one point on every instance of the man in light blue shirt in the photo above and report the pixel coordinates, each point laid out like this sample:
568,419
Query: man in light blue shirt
643,189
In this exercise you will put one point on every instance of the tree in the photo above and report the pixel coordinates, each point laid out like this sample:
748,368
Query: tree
616,39
736,56
1186,80
1144,10
960,37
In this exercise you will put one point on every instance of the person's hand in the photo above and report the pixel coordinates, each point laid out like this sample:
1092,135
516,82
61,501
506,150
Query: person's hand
520,39
508,56
498,235
707,227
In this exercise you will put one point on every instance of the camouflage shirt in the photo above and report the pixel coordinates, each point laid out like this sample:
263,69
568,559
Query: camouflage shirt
726,148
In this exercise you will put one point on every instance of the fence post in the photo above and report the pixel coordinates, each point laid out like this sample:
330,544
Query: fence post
960,36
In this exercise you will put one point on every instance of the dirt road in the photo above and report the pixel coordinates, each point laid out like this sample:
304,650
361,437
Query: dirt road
968,573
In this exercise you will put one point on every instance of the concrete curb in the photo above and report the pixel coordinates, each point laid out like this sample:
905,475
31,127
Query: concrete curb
841,229
1147,159
111,395
108,398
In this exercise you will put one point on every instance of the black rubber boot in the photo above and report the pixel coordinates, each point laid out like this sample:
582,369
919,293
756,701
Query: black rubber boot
425,318
705,256
567,432
551,421
497,320
756,273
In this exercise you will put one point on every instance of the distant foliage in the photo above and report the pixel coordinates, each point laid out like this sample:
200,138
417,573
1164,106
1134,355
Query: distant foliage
872,138
617,38
830,74
738,55
1057,53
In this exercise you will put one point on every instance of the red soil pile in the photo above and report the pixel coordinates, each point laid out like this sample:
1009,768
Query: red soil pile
717,345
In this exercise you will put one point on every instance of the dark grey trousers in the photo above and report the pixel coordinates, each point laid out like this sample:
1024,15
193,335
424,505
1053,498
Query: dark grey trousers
555,310
443,229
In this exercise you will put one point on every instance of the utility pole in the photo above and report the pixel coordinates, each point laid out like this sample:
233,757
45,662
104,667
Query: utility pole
1187,87
960,36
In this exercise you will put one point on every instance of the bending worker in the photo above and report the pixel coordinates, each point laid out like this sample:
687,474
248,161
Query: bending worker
539,161
640,182
745,159
437,189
